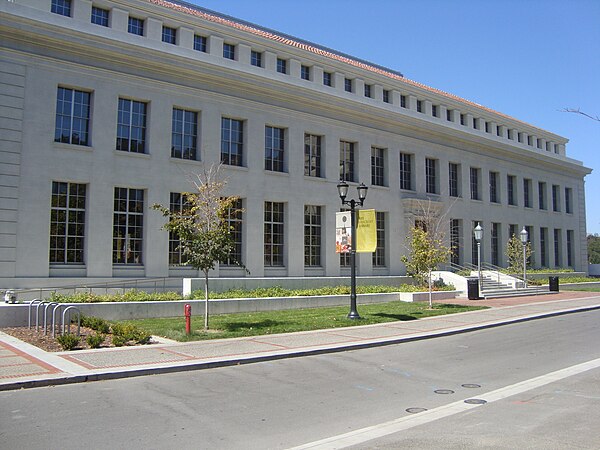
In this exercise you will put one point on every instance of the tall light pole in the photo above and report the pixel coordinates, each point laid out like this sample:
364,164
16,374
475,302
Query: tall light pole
478,234
362,194
524,235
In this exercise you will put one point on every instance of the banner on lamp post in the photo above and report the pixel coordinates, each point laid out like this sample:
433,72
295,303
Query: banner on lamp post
366,231
343,232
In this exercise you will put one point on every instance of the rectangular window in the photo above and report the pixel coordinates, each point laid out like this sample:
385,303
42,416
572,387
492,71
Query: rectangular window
449,114
184,134
475,184
475,123
99,16
510,190
234,218
570,240
544,247
488,127
327,79
273,234
420,106
274,146
463,119
348,85
128,226
431,181
530,239
555,198
403,102
379,253
495,244
542,195
494,197
453,180
557,247
527,193
131,126
232,141
305,72
377,166
509,134
386,96
281,65
72,117
512,231
200,43
455,241
347,161
67,223
569,200
256,58
312,236
312,155
228,51
368,90
435,111
61,7
135,26
169,35
177,204
406,171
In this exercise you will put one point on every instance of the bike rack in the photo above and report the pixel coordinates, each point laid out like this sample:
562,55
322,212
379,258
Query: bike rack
66,326
31,303
46,315
56,308
37,314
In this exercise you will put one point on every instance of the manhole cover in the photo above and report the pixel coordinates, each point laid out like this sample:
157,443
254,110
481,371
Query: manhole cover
475,401
471,385
444,391
415,410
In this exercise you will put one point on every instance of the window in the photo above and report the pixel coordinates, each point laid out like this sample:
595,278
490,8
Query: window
449,115
494,197
312,155
403,101
274,146
510,134
453,180
184,134
495,243
431,181
475,123
377,166
305,72
420,106
327,79
61,7
435,111
455,245
542,195
347,161
406,171
234,218
232,141
128,226
177,204
539,143
527,193
256,58
557,247
67,223
368,90
488,127
512,231
379,253
312,236
228,51
72,117
281,65
131,126
544,247
510,190
136,26
475,184
169,35
529,140
273,234
200,43
348,85
99,16
463,119
386,96
499,130
569,200
570,240
555,198
530,239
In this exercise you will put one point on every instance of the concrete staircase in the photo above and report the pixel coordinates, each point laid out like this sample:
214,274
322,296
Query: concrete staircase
491,288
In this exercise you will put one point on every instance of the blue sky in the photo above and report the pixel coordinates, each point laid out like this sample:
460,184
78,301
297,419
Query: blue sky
525,58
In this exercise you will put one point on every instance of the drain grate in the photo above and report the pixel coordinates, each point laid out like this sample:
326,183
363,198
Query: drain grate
475,401
444,391
471,385
415,410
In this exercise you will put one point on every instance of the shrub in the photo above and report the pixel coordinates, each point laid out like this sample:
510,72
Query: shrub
95,323
68,341
95,340
126,332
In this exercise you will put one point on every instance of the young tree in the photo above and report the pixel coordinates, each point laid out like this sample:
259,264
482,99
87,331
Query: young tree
202,228
514,253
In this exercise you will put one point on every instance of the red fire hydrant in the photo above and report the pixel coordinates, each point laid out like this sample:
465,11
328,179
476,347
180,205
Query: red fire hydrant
187,310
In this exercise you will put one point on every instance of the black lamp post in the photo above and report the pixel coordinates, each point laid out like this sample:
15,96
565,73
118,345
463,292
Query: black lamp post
524,235
478,234
362,194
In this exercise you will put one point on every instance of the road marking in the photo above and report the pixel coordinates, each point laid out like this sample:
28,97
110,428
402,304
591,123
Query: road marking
406,422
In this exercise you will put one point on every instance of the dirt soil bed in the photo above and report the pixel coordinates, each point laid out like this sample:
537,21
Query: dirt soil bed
48,343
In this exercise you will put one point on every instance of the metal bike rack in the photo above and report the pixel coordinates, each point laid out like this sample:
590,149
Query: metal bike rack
66,326
31,303
37,314
56,308
46,315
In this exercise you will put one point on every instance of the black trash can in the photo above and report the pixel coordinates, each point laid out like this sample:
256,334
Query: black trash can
473,288
553,282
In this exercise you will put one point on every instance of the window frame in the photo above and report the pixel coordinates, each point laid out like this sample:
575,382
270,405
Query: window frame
133,220
184,129
68,223
130,126
80,123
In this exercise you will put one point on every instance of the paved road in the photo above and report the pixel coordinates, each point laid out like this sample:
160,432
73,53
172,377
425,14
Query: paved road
287,403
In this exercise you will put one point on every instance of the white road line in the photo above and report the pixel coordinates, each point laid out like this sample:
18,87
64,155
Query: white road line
404,423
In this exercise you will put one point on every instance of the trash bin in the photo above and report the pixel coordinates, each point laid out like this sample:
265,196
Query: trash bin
553,282
473,288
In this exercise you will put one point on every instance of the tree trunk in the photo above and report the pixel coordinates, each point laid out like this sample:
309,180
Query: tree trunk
206,300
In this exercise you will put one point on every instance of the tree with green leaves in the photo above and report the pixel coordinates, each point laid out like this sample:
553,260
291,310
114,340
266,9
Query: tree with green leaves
593,241
202,228
514,253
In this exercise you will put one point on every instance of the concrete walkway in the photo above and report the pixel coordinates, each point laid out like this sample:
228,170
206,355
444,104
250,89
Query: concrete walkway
25,366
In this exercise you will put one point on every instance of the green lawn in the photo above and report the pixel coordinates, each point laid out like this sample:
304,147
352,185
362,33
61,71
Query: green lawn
274,322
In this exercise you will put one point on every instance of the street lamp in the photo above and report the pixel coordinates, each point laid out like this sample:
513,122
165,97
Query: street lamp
478,234
524,236
362,194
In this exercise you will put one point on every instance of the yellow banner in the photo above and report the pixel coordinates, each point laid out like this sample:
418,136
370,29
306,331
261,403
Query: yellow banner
366,231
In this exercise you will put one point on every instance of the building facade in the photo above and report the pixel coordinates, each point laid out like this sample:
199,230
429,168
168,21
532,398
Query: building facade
107,107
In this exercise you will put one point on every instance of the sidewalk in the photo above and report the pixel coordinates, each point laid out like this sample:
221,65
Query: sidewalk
24,366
